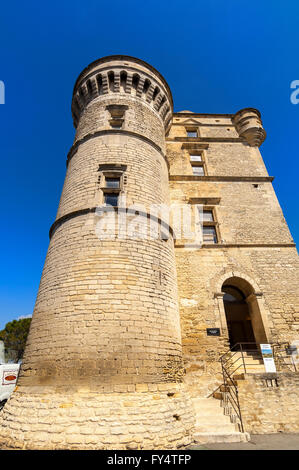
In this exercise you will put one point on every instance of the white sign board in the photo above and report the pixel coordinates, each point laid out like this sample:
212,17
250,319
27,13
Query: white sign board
268,359
8,378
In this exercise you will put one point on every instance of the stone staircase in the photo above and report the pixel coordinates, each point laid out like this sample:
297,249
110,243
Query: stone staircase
213,425
250,361
218,418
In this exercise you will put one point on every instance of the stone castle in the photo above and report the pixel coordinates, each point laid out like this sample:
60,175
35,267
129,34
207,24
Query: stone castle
154,343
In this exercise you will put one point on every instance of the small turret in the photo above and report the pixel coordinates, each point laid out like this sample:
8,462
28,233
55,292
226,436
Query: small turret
249,125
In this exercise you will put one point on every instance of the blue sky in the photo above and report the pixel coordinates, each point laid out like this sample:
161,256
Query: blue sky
217,57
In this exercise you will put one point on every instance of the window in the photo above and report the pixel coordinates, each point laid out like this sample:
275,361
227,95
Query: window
195,158
111,199
115,124
209,234
112,182
198,170
117,113
208,216
209,231
192,132
197,164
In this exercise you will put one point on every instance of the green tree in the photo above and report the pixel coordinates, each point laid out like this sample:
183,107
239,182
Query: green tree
14,336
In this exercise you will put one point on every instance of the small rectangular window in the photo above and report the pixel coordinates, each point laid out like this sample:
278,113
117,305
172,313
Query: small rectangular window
209,234
111,199
195,158
191,133
198,170
112,182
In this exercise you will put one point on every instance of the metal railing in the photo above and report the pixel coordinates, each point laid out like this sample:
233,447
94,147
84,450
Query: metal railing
282,360
231,396
243,358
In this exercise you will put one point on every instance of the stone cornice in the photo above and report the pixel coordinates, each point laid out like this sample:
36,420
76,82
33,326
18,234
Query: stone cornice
195,146
122,75
246,179
206,140
248,245
204,200
122,58
202,124
202,115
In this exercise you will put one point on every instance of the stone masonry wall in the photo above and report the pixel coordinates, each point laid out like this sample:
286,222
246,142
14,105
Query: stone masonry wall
199,274
254,242
86,326
267,408
150,417
82,188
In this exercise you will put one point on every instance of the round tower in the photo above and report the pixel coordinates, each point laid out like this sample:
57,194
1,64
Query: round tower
103,366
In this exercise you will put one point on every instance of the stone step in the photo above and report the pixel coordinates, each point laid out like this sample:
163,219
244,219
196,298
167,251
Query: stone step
217,427
204,405
213,423
248,362
203,400
218,395
247,354
205,437
219,419
215,411
237,377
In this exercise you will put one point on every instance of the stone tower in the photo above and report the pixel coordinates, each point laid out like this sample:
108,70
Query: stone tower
103,362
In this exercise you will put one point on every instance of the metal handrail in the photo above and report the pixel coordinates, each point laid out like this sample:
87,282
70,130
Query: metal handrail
230,385
228,361
281,357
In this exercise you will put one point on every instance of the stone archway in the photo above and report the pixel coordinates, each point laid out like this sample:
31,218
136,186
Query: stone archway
238,318
244,319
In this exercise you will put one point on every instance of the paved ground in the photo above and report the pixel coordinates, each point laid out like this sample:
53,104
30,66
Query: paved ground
278,441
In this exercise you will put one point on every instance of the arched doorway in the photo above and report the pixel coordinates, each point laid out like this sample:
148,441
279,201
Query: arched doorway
237,316
243,316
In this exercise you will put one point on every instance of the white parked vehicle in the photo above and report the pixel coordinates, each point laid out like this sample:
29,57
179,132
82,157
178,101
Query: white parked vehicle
8,378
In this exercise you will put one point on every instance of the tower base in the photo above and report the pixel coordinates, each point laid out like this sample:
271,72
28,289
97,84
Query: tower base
158,416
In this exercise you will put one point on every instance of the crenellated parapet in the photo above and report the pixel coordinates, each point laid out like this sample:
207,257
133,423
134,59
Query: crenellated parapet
249,125
123,76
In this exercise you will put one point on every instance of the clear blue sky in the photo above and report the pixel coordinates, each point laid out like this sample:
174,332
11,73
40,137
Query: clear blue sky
217,57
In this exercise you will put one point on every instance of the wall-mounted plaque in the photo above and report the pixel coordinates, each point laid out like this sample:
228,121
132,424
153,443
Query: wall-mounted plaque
213,331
